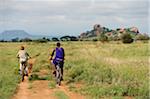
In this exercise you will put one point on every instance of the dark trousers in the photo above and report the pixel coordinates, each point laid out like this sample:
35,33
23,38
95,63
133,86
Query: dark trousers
61,64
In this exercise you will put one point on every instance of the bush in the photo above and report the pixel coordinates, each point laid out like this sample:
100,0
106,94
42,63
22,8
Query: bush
127,38
103,38
69,38
41,41
26,40
55,39
116,38
142,37
94,40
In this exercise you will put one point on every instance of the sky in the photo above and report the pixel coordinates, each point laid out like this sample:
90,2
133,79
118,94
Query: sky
72,17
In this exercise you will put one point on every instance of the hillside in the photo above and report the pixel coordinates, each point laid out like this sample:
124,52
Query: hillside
11,34
110,33
8,35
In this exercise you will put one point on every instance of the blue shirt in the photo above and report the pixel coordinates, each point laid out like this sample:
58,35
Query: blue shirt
59,53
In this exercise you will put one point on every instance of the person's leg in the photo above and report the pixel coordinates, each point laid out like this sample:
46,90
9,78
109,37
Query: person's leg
26,69
62,71
20,67
54,63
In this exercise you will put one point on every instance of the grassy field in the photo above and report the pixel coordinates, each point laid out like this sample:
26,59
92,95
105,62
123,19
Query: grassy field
102,70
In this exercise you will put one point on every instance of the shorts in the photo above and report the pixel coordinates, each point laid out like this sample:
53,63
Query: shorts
56,62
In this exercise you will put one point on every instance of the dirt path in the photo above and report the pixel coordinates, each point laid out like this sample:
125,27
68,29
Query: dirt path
70,94
39,90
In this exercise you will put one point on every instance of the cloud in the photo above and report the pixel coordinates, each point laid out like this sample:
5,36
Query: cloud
72,16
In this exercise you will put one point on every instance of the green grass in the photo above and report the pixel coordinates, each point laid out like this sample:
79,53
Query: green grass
52,85
107,70
124,74
37,77
8,76
30,86
61,95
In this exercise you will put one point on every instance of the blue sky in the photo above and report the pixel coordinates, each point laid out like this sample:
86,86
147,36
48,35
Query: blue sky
72,17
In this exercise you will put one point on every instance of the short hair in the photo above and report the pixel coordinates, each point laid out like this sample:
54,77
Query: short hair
58,44
22,47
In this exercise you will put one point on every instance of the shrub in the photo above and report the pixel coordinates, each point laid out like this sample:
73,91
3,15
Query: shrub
103,37
75,73
94,40
41,41
116,38
26,40
127,38
142,37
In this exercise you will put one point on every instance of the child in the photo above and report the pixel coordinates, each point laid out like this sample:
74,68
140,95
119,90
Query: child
23,57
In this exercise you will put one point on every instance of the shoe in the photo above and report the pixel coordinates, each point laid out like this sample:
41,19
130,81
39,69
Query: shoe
54,73
26,75
62,79
22,78
57,85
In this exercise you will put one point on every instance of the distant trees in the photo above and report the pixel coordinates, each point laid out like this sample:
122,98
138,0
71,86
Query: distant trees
3,41
15,39
69,38
26,40
65,38
73,38
42,40
55,39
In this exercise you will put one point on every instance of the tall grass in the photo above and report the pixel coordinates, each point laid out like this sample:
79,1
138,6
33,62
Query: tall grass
110,69
8,70
105,70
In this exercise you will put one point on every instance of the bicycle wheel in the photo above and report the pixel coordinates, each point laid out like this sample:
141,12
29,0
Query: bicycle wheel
23,70
58,75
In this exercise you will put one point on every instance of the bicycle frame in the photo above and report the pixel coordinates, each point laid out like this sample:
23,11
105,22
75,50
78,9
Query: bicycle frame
58,74
23,70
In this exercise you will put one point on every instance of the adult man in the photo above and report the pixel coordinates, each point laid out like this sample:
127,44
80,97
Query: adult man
59,57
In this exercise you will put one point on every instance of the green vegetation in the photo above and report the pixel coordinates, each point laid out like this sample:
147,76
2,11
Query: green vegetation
127,38
104,70
142,37
103,37
61,95
9,77
110,69
52,85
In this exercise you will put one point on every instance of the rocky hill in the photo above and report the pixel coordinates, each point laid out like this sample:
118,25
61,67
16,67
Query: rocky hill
110,33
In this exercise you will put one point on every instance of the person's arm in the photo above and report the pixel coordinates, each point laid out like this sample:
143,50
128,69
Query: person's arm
51,56
17,55
28,55
63,53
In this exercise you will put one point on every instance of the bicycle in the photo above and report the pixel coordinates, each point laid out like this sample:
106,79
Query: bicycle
23,71
58,73
57,70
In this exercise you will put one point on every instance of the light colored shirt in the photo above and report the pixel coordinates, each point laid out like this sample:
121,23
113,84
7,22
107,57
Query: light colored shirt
23,55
